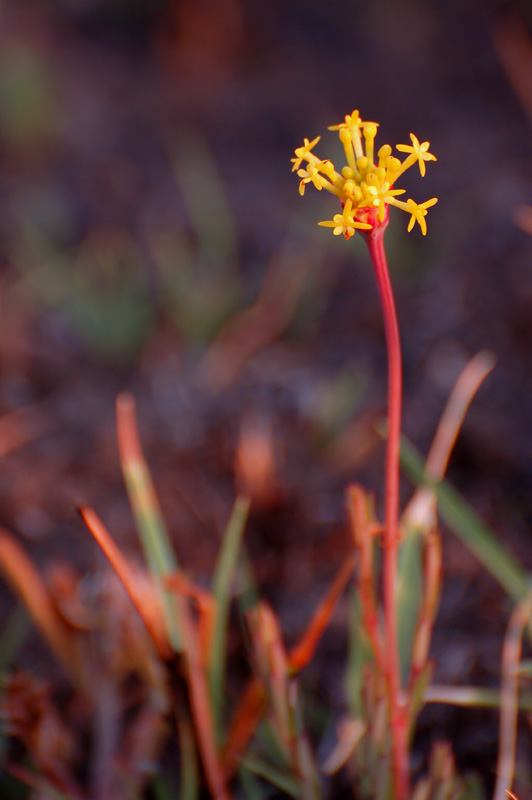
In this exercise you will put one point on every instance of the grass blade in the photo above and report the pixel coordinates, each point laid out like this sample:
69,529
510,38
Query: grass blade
409,598
198,691
152,530
221,588
470,528
473,697
189,784
127,578
245,720
277,777
300,655
21,574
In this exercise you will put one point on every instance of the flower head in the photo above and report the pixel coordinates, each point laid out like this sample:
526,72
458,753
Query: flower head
365,185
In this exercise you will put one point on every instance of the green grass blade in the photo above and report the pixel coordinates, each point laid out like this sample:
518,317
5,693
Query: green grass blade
221,589
189,783
359,656
409,597
277,777
253,787
149,520
472,697
470,528
152,530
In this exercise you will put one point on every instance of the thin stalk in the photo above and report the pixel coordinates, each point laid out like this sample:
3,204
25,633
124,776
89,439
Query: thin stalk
375,242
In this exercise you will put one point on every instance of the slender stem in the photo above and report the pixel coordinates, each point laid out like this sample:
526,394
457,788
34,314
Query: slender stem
399,723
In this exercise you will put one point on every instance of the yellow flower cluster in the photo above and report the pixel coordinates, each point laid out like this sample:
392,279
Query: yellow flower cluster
365,184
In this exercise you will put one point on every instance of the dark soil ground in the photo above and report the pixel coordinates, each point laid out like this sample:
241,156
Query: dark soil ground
145,193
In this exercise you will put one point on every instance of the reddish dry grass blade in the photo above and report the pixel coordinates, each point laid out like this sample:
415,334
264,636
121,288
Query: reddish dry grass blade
26,582
199,691
127,433
206,612
154,625
246,718
304,650
361,526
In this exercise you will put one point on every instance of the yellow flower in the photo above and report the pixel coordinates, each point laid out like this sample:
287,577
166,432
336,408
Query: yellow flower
379,197
310,175
419,212
350,120
345,223
304,152
365,186
418,151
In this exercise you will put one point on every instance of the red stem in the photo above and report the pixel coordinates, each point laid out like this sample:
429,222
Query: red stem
399,722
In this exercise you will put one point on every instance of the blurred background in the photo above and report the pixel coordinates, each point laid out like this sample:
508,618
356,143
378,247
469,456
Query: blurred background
152,239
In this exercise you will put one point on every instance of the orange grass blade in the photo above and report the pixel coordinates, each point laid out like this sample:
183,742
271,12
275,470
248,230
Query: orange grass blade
21,574
199,697
207,610
246,718
300,655
127,577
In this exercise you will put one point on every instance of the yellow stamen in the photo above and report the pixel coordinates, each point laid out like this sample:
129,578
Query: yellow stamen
370,131
347,141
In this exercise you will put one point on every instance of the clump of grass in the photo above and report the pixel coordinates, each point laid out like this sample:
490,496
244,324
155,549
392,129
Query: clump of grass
156,654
